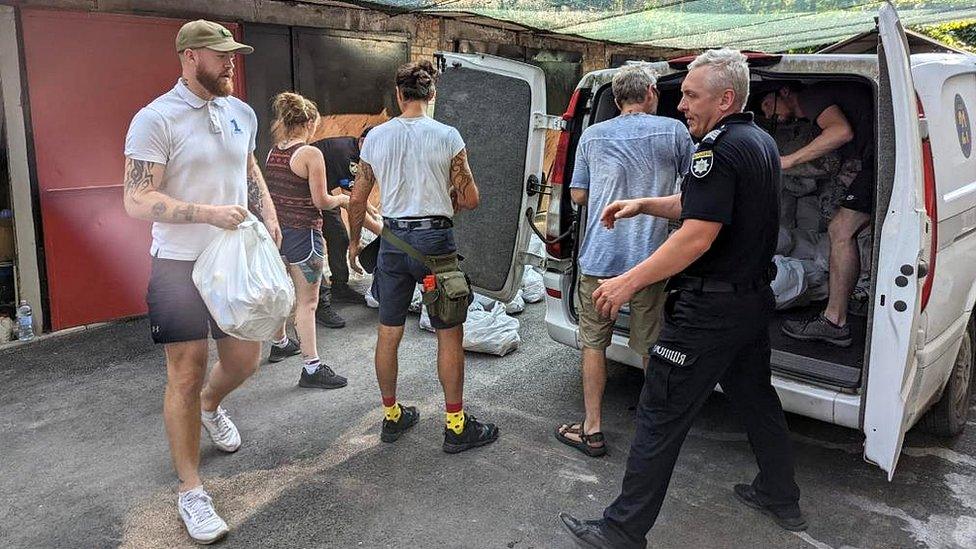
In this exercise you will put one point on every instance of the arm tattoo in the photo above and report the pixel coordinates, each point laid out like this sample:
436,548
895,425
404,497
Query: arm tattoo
158,210
185,213
139,177
361,190
255,196
461,177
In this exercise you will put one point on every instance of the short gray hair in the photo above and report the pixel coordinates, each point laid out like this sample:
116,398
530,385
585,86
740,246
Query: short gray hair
630,84
730,70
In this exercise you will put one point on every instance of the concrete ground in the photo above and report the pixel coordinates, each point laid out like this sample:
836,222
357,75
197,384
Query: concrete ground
85,462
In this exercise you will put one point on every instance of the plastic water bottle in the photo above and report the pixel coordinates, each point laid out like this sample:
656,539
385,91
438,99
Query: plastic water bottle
25,322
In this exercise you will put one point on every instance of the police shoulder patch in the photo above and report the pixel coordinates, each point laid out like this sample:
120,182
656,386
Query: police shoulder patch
701,163
711,136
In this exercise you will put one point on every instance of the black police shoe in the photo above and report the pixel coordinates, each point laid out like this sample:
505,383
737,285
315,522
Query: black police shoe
587,533
393,429
322,378
329,318
794,522
280,353
474,434
342,293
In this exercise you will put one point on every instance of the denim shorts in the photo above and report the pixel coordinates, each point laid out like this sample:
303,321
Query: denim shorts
397,274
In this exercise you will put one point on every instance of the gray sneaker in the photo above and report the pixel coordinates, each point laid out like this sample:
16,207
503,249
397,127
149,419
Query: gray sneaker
818,329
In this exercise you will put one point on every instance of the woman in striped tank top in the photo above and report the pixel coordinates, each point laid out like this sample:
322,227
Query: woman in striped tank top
296,178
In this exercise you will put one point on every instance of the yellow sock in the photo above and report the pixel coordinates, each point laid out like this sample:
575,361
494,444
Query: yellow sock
455,421
392,413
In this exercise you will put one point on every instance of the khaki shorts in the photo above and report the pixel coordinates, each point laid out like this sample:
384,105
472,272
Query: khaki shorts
645,317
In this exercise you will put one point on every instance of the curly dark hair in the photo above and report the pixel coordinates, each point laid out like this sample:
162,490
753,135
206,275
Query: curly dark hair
416,81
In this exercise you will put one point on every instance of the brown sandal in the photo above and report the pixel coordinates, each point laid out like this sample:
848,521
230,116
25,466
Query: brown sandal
586,443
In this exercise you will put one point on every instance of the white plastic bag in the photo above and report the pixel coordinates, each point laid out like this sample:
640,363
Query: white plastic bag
533,287
483,303
790,283
536,246
243,282
371,300
493,332
416,302
516,305
425,320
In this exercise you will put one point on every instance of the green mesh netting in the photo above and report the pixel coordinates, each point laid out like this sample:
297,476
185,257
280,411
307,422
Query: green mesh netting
765,25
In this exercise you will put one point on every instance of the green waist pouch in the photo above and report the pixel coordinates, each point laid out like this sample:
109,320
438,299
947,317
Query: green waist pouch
449,296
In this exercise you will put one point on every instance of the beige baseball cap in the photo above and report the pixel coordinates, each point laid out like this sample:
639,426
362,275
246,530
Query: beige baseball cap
210,35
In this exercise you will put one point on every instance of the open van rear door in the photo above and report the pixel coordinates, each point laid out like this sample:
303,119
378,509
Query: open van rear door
892,383
499,107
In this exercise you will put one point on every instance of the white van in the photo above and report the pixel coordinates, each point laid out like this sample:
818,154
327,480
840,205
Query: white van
916,345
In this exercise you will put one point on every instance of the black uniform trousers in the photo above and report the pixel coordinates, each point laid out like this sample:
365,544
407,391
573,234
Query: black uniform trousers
707,339
336,244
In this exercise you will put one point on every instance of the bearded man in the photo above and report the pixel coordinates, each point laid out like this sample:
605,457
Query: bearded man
190,170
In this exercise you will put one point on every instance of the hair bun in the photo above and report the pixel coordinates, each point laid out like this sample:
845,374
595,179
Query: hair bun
416,81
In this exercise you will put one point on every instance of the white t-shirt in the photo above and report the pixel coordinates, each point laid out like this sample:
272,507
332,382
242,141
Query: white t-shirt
205,147
411,159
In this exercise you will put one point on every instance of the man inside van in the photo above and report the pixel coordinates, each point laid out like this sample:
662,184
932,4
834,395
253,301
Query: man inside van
636,154
844,113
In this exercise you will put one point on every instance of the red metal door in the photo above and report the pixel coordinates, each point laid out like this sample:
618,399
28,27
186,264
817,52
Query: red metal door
87,75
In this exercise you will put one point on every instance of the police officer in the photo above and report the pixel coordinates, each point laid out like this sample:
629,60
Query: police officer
716,317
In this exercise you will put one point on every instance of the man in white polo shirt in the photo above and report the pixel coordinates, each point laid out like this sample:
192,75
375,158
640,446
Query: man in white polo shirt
190,169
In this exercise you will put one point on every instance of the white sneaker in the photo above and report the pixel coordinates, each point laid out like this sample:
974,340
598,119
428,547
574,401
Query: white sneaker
198,514
222,430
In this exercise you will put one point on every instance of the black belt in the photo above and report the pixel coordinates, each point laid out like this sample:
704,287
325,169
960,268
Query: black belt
417,223
698,284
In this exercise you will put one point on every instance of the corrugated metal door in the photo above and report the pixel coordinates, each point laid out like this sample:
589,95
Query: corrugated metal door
87,76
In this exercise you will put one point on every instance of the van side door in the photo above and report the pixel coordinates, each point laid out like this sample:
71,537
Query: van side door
892,380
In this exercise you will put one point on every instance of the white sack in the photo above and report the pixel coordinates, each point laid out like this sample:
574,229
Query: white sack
789,286
533,287
516,305
494,332
243,282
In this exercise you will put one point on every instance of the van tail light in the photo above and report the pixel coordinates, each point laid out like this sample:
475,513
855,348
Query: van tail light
931,210
561,249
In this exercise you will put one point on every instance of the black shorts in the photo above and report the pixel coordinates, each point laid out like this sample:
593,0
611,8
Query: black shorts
177,313
302,245
860,193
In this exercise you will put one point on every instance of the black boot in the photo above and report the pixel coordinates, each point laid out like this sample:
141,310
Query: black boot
588,533
792,521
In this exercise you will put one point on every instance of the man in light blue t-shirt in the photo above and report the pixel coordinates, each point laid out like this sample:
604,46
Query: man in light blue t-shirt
636,154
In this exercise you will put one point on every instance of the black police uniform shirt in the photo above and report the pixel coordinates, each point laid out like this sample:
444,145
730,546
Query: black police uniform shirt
341,159
734,180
